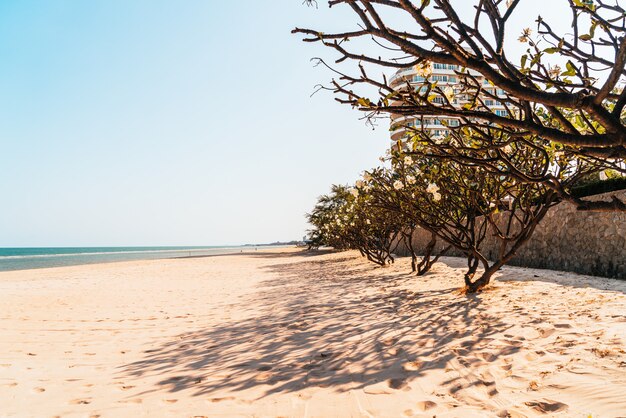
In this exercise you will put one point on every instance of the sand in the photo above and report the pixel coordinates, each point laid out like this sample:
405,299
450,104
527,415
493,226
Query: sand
286,333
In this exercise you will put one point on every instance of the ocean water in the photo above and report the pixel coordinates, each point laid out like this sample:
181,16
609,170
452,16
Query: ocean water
32,258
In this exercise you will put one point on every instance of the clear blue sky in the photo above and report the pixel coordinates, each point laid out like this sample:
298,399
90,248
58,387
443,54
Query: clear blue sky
167,122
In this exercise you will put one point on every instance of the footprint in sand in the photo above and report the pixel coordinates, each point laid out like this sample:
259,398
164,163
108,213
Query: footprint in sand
39,390
226,398
263,376
426,405
394,351
454,389
266,368
412,366
547,405
136,400
545,332
170,400
509,413
488,357
376,391
126,387
397,383
80,401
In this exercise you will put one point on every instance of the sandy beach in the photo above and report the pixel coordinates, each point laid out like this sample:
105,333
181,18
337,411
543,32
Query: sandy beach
294,334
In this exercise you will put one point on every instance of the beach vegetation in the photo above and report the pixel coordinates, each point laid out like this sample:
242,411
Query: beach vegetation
563,96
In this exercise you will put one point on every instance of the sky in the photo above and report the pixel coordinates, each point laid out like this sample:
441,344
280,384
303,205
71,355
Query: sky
152,122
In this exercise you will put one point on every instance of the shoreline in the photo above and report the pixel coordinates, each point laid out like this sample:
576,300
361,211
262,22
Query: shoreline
284,332
44,261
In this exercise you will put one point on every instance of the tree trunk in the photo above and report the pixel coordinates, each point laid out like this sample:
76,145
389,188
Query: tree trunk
426,263
424,268
408,243
472,266
483,280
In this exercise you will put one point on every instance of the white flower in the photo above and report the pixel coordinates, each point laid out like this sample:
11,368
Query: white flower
525,37
423,69
508,149
354,192
410,179
436,197
432,188
398,185
367,176
408,160
603,175
359,183
449,93
367,221
555,71
492,205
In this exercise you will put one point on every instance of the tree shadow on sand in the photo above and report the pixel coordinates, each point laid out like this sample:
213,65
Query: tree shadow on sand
328,324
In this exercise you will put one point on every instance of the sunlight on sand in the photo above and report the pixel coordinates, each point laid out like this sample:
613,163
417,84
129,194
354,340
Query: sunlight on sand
286,333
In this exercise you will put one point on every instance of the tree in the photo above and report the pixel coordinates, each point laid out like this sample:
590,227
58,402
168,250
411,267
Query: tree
577,109
398,197
345,219
324,217
466,205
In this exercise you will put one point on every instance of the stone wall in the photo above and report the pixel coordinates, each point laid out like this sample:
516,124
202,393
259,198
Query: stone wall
591,243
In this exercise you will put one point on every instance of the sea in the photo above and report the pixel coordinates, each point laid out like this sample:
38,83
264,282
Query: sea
33,258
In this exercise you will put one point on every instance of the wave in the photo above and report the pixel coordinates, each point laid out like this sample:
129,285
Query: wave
182,250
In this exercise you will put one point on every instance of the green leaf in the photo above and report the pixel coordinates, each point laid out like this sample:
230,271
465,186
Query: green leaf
585,37
536,59
579,122
571,70
523,61
551,50
592,29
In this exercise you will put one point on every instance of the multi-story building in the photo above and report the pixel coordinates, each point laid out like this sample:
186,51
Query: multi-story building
447,78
